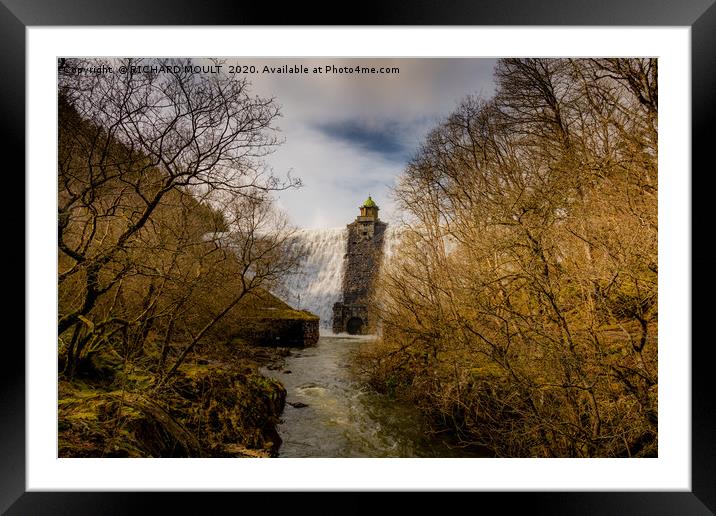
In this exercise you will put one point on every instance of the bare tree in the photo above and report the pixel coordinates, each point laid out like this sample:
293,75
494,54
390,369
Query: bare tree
521,309
135,150
256,254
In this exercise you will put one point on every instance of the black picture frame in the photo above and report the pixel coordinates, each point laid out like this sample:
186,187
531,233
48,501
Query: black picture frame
699,15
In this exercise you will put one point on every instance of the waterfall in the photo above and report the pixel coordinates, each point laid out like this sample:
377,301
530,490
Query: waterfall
390,242
318,282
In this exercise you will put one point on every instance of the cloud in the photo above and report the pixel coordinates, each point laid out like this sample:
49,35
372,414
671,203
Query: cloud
387,139
337,176
347,136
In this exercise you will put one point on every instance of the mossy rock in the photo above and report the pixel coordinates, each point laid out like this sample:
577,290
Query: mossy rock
207,410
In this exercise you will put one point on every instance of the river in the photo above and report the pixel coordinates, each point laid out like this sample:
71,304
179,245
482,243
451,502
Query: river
334,416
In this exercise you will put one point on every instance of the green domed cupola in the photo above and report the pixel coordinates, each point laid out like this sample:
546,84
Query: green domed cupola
369,203
369,209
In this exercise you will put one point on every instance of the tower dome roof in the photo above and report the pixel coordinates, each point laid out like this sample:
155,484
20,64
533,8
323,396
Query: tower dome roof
369,203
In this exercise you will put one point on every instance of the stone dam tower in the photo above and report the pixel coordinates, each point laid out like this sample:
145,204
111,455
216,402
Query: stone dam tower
362,260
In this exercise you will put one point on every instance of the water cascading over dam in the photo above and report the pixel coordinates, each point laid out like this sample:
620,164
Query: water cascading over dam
319,283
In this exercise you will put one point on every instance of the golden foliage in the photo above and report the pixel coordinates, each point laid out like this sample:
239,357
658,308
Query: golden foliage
521,307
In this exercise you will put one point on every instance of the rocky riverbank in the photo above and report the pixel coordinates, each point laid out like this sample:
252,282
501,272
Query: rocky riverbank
218,405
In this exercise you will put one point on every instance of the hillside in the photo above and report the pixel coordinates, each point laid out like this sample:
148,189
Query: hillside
165,260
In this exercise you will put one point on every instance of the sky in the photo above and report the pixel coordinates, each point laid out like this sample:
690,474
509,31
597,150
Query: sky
349,135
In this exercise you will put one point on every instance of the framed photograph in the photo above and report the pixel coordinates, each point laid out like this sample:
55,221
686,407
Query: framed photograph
415,250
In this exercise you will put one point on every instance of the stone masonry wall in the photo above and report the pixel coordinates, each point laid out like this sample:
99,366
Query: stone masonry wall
364,253
280,332
362,261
